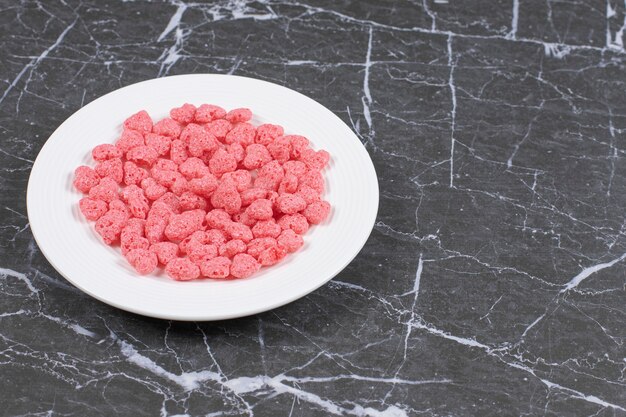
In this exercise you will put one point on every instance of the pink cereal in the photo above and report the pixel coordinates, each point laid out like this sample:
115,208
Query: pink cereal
266,228
227,197
260,209
290,240
280,149
297,168
139,121
289,184
238,115
165,251
203,144
219,128
242,133
272,256
257,155
245,218
267,133
203,186
152,189
193,168
309,194
218,219
232,248
142,155
191,201
129,140
290,203
161,144
85,179
167,127
132,241
182,269
315,160
112,168
201,253
239,231
105,151
92,209
218,267
182,225
209,112
165,165
241,178
243,266
143,260
184,114
237,151
110,225
256,246
252,194
314,180
106,190
296,222
222,162
178,152
133,175
171,201
180,185
298,144
316,212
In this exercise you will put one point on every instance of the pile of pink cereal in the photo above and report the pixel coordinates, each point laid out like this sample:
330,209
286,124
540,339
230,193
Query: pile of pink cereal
204,192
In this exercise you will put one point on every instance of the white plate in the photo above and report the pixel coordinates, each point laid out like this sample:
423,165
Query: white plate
73,248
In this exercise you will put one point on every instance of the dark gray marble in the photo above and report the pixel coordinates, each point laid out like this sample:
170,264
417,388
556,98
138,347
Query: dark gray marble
494,280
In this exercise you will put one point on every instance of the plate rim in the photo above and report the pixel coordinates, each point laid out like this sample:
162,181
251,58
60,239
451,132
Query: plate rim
200,317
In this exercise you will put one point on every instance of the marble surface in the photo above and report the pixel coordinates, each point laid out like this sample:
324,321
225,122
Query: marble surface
493,282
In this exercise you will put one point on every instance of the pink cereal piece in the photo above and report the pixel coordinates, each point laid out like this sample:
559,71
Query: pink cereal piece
129,140
297,168
190,131
222,162
165,178
139,121
132,241
180,186
280,149
290,203
110,225
106,190
289,184
133,174
298,144
170,200
260,209
270,176
266,228
243,266
272,196
167,127
165,251
105,151
178,152
182,225
139,206
161,144
203,144
309,194
118,205
252,194
201,253
245,218
290,240
112,168
227,197
130,192
271,256
142,155
193,168
296,222
257,155
164,165
237,151
316,212
135,226
198,237
204,186
209,112
85,179
218,219
191,201
219,128
314,180
215,237
92,209
267,133
152,189
156,223
184,114
241,178
315,160
242,133
232,248
256,246
143,260
239,115
239,231
218,267
182,269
